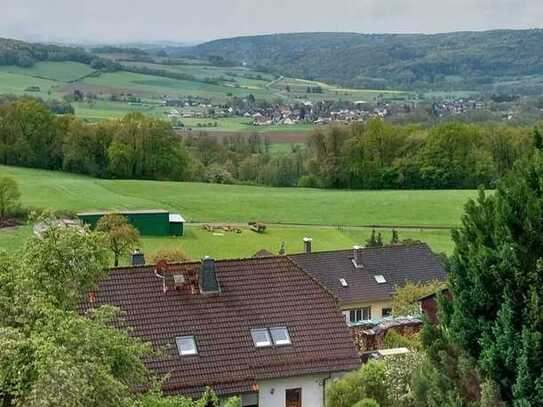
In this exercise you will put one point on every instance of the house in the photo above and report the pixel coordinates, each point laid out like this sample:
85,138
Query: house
153,222
261,328
364,280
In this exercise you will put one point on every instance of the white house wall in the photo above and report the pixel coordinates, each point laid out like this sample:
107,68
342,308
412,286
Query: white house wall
272,393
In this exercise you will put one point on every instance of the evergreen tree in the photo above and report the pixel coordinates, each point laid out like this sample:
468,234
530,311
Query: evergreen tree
395,240
538,139
379,242
372,241
496,278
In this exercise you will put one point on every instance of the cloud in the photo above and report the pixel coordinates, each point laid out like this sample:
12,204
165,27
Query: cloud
188,21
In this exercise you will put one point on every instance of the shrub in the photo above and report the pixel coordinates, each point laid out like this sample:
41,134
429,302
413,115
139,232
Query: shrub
367,403
368,382
172,255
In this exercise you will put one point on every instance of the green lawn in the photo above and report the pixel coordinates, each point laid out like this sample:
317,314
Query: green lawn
198,243
306,211
57,71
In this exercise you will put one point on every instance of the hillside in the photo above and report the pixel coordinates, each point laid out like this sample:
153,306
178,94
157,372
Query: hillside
453,61
25,54
298,210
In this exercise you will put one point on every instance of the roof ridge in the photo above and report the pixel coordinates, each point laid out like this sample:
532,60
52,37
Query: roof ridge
392,246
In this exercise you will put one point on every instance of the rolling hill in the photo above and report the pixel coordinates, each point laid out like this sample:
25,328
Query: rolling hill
452,61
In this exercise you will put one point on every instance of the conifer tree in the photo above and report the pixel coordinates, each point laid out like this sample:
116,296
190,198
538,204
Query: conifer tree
496,279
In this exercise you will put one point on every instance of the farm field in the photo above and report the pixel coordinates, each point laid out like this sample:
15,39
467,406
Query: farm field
56,71
17,84
150,85
298,89
291,213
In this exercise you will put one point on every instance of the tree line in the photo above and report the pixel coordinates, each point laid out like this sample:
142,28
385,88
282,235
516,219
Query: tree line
371,155
135,146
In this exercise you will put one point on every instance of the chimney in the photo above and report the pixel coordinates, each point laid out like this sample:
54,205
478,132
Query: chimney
307,244
357,257
137,258
208,278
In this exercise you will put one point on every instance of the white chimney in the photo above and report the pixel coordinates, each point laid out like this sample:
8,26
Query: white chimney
307,244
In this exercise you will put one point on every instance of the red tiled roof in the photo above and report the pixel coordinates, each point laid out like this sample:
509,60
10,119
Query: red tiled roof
397,264
256,293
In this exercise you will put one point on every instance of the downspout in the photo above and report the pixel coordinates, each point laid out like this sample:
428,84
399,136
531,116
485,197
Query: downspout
324,388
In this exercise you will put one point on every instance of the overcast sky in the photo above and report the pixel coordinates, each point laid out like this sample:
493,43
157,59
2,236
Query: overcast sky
199,20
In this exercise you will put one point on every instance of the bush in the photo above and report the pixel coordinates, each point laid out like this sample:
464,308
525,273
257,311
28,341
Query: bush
367,403
368,382
172,255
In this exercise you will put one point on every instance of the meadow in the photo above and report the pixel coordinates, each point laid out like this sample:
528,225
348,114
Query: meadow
335,219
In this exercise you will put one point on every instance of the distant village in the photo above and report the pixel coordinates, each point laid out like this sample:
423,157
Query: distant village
308,112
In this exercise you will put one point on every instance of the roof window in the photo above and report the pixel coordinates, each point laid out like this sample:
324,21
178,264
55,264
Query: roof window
261,337
380,279
280,336
343,282
186,345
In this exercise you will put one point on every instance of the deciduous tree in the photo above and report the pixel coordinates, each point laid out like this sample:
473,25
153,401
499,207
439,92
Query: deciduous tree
121,237
9,195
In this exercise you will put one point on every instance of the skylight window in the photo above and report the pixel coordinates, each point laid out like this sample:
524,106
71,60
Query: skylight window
186,345
343,282
380,279
280,336
261,337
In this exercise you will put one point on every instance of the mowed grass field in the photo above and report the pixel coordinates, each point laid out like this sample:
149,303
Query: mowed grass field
292,213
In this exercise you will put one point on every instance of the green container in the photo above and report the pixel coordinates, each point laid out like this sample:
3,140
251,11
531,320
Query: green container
147,222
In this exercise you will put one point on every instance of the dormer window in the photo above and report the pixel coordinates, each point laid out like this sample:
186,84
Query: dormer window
186,345
261,337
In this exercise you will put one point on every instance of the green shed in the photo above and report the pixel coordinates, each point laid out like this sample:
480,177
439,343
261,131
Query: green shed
154,222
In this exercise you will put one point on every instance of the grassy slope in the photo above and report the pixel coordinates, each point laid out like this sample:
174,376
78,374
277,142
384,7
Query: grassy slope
223,203
157,86
234,203
16,84
56,71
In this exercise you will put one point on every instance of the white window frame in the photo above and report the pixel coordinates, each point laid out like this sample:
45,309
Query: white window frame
261,344
190,352
359,314
283,330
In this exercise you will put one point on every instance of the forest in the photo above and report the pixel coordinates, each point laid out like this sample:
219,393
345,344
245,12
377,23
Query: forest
461,60
372,155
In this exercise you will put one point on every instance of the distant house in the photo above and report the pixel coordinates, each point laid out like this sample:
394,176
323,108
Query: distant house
261,328
364,280
152,222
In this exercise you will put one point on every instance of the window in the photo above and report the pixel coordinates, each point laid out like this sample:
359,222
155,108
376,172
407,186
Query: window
293,398
280,336
261,337
380,279
343,282
361,314
186,345
386,312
